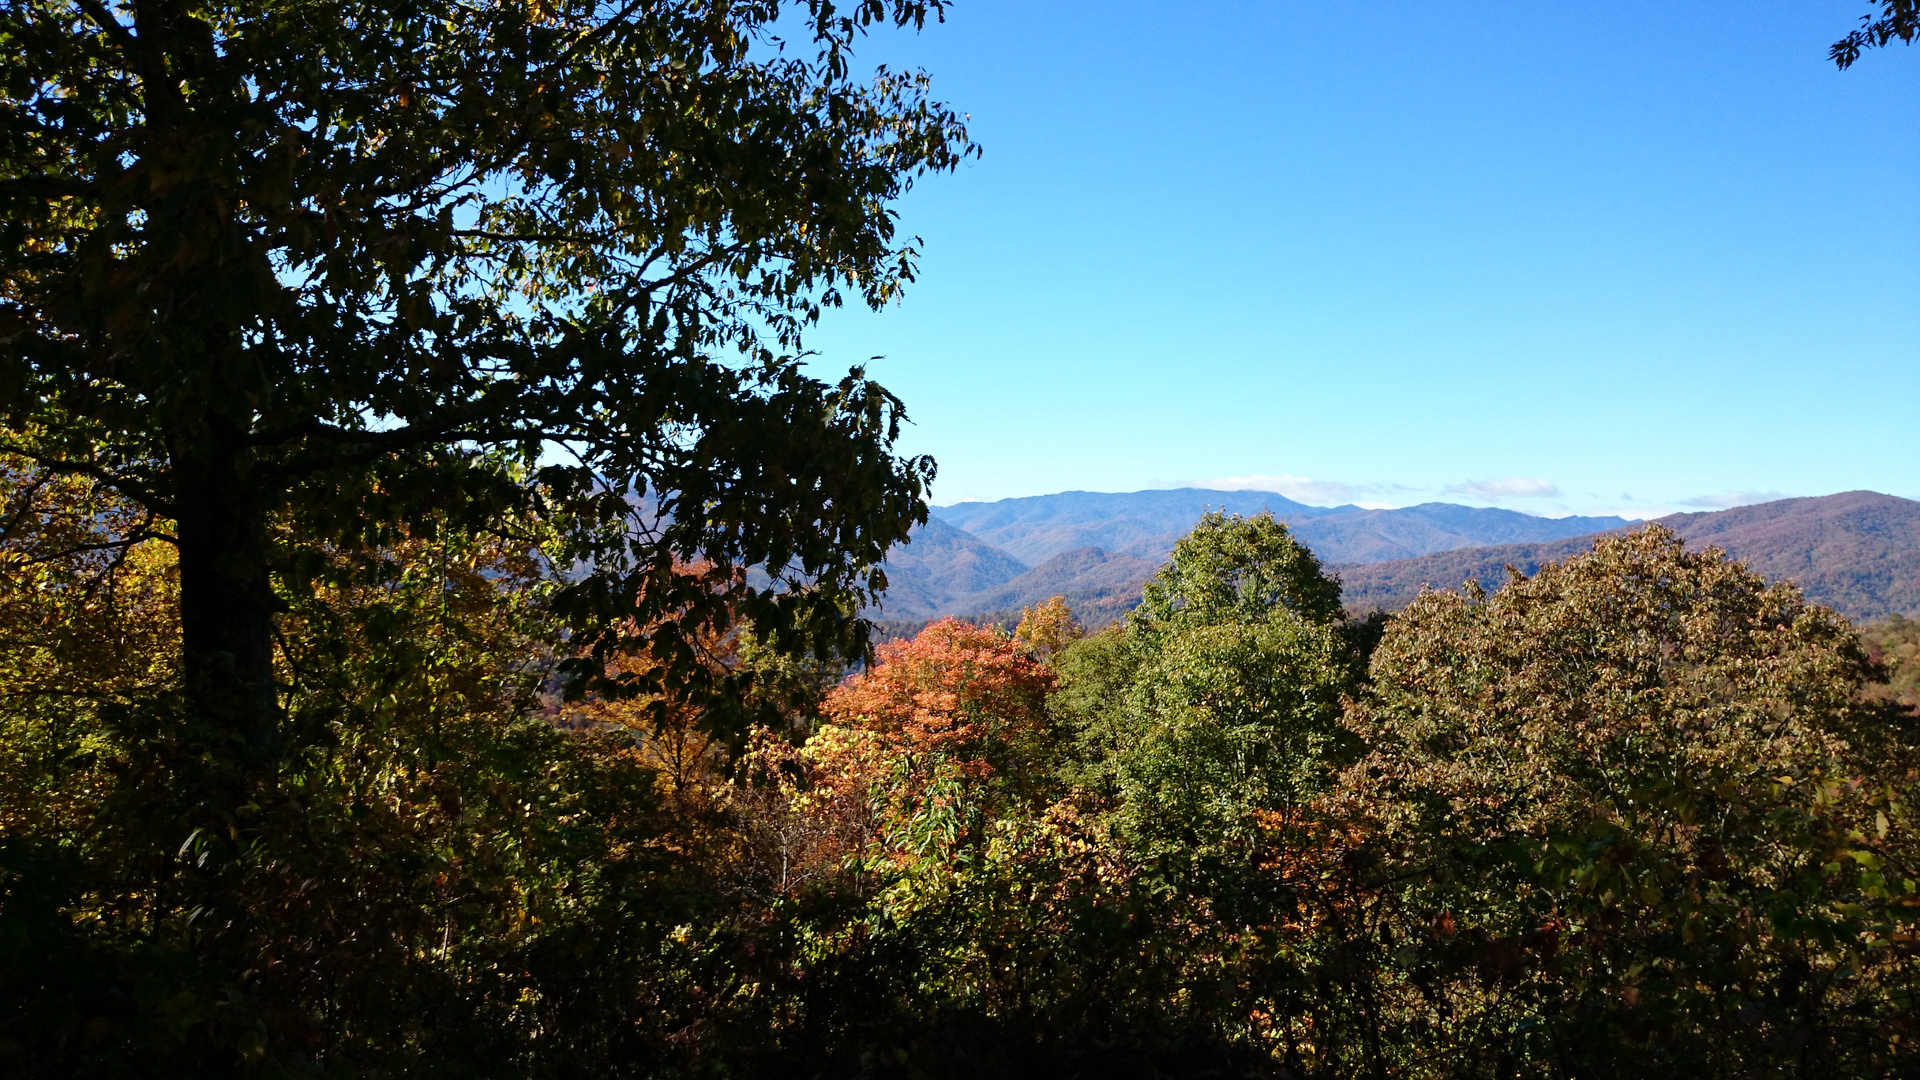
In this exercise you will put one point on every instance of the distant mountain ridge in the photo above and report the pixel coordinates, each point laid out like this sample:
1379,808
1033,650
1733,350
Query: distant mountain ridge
1147,523
1100,586
1857,552
1098,548
1037,526
1377,535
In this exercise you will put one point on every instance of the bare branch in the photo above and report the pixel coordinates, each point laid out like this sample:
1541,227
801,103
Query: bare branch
113,28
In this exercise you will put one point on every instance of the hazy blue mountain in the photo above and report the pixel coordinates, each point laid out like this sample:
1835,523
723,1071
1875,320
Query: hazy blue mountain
1857,552
1099,585
1147,523
1378,535
1033,528
1097,548
1364,536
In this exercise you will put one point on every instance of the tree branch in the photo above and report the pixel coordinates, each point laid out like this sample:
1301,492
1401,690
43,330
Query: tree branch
131,540
113,28
140,57
132,489
361,447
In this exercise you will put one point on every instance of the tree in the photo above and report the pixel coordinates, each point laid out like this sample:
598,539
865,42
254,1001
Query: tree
1221,695
1235,568
1232,713
1226,721
1897,19
437,848
1895,642
1047,628
88,627
1636,800
959,712
357,265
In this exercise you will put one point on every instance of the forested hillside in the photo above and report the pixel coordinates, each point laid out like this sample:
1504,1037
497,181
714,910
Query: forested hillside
942,567
1033,528
1147,523
435,581
1858,552
1237,833
1895,642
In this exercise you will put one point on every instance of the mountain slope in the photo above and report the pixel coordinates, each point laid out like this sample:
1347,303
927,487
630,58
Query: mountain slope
1148,523
1378,535
1033,528
937,566
969,556
1353,535
1858,552
1099,585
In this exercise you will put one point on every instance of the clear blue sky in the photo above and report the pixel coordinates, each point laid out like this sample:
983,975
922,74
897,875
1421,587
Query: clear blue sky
1578,257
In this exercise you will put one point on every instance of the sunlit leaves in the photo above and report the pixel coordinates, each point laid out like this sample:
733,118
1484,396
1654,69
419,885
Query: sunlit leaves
1646,777
277,246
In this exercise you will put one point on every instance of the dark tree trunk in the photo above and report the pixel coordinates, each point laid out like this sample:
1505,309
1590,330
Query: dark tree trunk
226,597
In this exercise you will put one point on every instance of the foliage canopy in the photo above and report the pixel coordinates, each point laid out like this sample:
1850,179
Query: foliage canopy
1644,789
1636,815
368,368
360,265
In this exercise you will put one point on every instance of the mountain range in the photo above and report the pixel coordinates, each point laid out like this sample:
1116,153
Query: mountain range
1858,552
1097,548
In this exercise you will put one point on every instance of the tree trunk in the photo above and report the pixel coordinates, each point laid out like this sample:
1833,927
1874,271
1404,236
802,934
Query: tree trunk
226,597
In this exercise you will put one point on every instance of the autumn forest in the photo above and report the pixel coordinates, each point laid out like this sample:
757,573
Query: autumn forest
437,635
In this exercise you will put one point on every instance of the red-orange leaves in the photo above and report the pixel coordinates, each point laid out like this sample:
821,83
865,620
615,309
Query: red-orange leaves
940,733
960,693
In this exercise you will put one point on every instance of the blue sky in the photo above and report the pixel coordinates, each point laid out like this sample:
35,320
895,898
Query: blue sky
1574,257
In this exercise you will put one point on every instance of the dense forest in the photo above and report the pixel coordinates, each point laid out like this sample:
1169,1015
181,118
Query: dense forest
1638,815
431,638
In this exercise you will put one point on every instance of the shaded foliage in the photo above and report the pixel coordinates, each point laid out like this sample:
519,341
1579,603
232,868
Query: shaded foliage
354,266
1895,642
1643,805
1639,814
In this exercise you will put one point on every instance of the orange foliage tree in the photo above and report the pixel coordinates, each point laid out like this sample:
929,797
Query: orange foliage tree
963,694
940,733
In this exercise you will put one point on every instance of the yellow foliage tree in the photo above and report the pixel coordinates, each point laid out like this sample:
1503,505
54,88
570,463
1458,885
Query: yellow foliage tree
1047,628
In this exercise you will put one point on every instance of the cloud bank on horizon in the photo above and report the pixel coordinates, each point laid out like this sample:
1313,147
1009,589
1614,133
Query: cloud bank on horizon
1729,499
1311,492
1506,487
1496,490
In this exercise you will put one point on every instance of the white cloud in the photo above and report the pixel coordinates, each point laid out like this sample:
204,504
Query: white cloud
1301,489
1507,487
1726,500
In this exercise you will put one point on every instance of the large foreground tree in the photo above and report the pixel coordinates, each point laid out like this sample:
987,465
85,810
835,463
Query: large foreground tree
356,265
